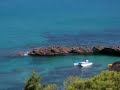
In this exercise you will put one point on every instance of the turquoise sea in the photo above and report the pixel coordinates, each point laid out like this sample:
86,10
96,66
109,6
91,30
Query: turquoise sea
26,24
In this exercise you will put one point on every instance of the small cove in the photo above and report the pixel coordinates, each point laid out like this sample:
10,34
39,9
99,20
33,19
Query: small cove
53,69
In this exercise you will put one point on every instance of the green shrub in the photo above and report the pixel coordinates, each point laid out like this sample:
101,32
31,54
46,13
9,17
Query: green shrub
51,87
70,81
108,80
34,83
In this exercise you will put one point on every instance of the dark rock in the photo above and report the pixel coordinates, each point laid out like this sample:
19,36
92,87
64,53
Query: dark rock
97,50
111,51
115,66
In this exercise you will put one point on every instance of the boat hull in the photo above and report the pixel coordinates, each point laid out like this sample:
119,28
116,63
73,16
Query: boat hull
86,65
83,64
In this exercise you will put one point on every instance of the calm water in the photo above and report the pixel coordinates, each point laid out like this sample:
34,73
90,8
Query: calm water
26,24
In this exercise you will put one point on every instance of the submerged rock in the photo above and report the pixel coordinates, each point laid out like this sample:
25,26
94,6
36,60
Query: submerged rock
59,50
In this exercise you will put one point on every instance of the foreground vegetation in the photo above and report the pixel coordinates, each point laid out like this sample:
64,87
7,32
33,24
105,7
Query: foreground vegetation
107,80
34,83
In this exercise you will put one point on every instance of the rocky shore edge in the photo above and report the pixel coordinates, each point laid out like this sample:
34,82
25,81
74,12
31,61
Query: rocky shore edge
115,66
61,50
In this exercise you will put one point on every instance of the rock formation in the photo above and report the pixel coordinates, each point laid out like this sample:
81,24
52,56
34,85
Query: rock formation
50,51
59,50
115,66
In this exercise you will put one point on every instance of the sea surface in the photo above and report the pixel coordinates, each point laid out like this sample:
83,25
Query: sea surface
27,24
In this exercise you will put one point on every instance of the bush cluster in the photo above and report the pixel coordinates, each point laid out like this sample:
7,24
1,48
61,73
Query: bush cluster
34,83
107,80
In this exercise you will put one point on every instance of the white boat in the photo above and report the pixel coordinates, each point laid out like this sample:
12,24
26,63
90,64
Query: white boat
83,64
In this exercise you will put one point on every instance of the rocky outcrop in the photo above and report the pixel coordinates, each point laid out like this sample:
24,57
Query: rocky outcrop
50,51
115,66
81,50
107,50
111,51
59,50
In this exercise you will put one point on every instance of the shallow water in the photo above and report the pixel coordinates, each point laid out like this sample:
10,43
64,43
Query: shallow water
26,24
14,71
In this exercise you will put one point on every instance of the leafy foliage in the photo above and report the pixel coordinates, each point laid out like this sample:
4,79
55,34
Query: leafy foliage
34,83
108,80
51,87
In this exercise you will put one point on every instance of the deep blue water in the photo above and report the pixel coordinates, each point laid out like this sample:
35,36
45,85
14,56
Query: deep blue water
26,24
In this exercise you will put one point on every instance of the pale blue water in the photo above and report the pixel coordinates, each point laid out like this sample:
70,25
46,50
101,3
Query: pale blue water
25,24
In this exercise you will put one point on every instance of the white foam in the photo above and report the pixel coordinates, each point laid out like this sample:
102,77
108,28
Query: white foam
26,53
